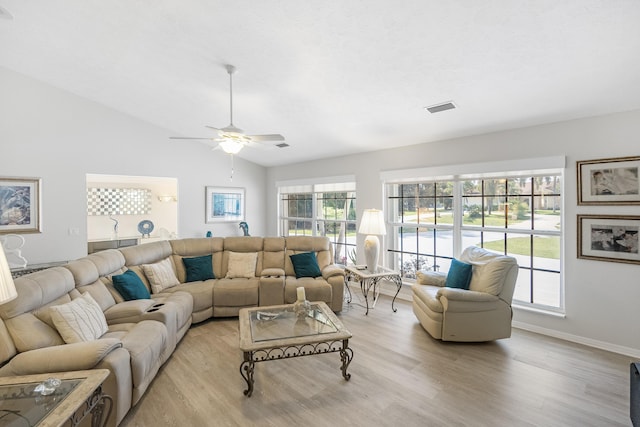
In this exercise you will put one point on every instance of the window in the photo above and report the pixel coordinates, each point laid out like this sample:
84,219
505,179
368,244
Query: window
517,215
321,210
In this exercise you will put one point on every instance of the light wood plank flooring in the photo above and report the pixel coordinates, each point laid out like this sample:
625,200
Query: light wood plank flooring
400,376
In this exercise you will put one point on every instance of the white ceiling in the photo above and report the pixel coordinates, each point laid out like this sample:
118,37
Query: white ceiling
334,77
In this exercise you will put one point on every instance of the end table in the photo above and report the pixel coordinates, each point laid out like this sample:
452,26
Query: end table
370,280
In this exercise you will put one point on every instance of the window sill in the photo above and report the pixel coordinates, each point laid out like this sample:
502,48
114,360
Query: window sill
539,310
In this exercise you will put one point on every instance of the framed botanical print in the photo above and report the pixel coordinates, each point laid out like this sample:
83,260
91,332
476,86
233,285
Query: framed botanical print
611,181
224,204
20,205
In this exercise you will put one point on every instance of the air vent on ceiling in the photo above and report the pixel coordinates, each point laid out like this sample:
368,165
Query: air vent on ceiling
282,145
441,107
4,13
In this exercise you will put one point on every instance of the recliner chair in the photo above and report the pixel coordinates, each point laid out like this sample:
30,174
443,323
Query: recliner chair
482,313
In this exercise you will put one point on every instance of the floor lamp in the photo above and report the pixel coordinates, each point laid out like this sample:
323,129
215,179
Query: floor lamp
7,287
372,225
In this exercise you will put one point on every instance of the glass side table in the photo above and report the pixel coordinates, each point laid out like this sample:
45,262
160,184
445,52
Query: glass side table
370,280
22,403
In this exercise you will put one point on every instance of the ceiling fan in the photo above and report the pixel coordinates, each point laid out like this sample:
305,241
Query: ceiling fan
230,138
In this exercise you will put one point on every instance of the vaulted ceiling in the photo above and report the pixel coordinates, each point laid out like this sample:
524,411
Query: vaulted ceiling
334,77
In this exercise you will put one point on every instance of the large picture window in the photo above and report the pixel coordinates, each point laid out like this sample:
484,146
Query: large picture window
321,210
513,214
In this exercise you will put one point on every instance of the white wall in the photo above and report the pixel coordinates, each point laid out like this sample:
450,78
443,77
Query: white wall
57,136
602,298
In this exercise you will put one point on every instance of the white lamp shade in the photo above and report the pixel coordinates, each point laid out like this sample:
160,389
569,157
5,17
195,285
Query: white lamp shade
372,223
7,287
230,146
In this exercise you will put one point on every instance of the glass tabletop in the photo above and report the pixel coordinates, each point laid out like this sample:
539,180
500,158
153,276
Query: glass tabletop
279,323
21,405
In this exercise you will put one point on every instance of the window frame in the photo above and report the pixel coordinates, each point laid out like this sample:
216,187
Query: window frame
318,223
458,226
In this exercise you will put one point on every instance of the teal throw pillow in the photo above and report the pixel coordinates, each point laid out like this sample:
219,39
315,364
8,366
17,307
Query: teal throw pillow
459,275
199,268
305,265
130,286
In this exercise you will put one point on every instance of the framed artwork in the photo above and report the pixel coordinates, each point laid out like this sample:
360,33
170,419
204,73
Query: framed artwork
609,181
609,238
20,205
224,204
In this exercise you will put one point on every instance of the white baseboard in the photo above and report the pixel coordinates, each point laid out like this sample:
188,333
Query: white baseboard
602,345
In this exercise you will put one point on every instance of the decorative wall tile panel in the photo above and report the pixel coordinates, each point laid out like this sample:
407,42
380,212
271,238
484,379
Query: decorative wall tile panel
118,201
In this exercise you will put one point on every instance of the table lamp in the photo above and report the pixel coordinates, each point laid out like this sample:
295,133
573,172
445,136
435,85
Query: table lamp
7,288
372,225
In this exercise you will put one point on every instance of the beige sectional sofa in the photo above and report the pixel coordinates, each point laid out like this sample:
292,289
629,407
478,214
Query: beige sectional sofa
141,334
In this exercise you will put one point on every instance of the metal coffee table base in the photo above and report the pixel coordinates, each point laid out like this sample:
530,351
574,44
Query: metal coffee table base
289,351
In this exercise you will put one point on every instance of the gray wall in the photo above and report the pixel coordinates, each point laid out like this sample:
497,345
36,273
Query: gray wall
59,137
601,297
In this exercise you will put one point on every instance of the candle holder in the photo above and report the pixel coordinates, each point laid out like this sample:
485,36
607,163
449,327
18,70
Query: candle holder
301,308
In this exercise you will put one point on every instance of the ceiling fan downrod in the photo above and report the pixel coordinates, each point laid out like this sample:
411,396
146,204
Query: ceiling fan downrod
231,70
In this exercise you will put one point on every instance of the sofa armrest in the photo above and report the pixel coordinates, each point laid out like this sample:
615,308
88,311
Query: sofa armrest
433,278
272,272
332,270
455,294
61,358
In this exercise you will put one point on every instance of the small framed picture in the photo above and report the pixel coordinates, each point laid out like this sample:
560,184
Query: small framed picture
609,238
20,205
224,204
609,181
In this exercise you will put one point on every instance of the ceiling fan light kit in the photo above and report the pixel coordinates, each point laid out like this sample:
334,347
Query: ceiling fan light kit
231,146
230,138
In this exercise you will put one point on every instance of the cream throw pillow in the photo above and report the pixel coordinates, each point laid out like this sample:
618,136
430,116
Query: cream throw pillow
79,320
161,275
242,264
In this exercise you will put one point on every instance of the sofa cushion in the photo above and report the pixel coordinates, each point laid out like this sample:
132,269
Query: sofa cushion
459,275
161,275
129,285
199,268
79,320
242,264
305,265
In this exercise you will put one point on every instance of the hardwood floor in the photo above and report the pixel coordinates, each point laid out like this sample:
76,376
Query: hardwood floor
399,376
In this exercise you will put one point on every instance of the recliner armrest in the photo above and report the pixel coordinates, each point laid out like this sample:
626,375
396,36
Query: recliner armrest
432,278
332,270
272,272
61,358
455,294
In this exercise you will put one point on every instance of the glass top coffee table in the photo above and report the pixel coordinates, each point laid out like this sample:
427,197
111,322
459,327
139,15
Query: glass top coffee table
67,398
277,332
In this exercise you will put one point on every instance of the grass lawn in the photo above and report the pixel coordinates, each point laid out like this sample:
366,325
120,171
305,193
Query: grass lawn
544,247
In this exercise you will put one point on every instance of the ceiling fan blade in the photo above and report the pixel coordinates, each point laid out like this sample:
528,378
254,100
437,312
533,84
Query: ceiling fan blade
211,127
271,137
188,137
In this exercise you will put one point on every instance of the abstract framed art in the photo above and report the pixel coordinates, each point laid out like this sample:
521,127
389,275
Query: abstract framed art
609,238
611,181
224,204
20,205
